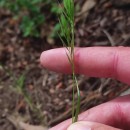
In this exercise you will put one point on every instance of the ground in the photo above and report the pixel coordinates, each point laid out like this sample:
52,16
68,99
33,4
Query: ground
35,95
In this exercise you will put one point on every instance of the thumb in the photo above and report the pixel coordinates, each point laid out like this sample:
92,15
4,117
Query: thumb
85,125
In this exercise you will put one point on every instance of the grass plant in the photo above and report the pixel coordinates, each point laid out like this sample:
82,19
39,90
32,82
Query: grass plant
20,88
67,37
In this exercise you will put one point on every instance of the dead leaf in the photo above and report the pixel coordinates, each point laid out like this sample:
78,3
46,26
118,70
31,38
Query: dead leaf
121,3
15,118
87,6
25,126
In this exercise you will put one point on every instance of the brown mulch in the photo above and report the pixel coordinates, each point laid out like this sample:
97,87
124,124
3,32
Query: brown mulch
106,24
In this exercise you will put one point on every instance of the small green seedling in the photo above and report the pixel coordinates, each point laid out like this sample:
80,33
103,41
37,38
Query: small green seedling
20,87
66,21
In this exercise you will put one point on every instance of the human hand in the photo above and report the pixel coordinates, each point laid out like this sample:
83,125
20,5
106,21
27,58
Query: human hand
111,62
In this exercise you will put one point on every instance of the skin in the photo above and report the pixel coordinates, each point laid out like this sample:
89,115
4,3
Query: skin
86,125
111,62
93,61
105,62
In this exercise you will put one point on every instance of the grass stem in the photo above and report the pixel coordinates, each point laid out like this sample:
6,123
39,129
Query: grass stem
67,37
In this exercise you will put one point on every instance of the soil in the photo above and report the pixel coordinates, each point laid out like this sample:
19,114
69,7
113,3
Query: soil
35,95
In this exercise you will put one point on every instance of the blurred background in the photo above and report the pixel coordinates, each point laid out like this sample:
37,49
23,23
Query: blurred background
38,96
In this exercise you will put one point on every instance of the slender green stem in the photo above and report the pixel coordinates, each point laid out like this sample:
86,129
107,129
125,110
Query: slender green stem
73,102
66,22
78,101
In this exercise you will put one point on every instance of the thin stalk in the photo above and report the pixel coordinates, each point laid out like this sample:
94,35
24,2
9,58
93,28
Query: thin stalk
66,22
73,102
78,101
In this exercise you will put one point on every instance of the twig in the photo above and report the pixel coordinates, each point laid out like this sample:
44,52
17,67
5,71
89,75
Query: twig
109,38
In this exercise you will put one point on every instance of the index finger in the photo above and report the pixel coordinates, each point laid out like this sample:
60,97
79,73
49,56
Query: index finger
92,61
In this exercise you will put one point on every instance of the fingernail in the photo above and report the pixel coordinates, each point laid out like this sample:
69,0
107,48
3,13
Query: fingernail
79,126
